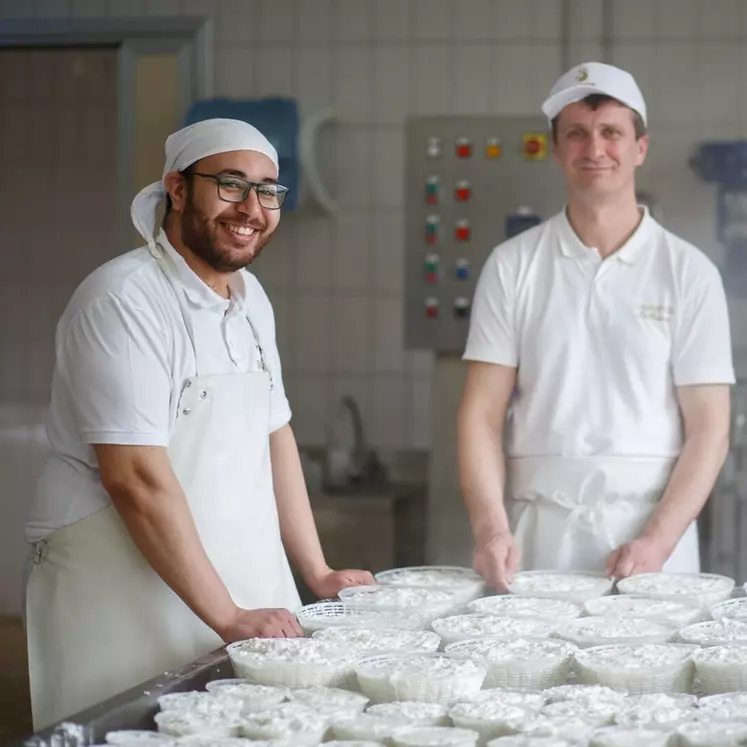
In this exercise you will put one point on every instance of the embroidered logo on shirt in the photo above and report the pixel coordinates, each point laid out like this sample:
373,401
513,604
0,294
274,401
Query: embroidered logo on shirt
657,312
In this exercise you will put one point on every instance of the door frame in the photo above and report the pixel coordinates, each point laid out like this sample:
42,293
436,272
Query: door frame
189,37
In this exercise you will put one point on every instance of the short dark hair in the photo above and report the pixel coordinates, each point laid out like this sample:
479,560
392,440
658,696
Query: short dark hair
185,173
594,101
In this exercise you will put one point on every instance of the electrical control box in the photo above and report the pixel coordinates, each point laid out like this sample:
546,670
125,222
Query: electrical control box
471,183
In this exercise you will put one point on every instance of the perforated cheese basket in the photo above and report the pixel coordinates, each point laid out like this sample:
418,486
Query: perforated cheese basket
489,720
433,736
365,641
665,611
432,678
329,667
518,664
323,615
722,669
731,609
465,627
512,605
712,734
430,602
642,670
587,632
724,632
623,736
571,586
700,589
465,583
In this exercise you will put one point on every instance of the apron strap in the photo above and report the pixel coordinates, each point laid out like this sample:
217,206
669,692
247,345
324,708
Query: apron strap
170,271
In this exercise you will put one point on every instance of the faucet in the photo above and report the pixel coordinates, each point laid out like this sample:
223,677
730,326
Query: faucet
362,464
359,456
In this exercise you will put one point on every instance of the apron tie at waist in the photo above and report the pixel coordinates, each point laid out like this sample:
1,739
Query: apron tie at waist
39,551
570,513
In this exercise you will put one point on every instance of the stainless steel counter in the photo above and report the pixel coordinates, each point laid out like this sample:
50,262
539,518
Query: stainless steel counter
132,709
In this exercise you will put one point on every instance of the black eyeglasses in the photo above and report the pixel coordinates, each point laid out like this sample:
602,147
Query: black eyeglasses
233,189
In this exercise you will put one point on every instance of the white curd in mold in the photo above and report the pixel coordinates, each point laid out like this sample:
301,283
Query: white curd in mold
712,733
531,607
570,586
433,736
657,709
666,611
594,694
715,632
328,698
590,631
518,649
703,588
648,656
462,627
379,640
397,597
412,712
621,736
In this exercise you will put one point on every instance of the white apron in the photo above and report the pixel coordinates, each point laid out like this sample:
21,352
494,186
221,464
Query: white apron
571,513
99,619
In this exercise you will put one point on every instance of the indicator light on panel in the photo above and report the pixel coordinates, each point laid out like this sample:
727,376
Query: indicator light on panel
431,229
461,307
534,146
431,268
433,147
432,188
463,191
431,307
461,269
493,147
463,230
463,147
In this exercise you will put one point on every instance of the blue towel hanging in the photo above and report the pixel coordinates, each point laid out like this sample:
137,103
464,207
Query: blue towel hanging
278,120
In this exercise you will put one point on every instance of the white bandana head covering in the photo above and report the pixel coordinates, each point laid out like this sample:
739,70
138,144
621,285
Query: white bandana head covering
183,148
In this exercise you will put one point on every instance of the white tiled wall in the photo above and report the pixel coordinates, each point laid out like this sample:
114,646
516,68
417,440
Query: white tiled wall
337,284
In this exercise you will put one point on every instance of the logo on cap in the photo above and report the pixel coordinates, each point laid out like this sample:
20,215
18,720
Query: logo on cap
582,75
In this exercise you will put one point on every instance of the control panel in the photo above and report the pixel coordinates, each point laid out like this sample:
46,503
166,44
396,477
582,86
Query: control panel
471,183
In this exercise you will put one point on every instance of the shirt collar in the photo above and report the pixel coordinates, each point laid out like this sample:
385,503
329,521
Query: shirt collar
572,246
197,291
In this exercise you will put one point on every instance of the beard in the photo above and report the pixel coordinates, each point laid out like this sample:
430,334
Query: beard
201,235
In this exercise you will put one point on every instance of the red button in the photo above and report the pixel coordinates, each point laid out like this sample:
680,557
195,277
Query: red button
532,147
431,312
463,194
464,150
431,277
462,233
430,238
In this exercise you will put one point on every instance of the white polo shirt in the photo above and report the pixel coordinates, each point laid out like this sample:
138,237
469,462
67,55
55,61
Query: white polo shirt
600,345
123,354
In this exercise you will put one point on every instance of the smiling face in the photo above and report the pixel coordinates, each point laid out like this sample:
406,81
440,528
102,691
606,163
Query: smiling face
598,150
226,235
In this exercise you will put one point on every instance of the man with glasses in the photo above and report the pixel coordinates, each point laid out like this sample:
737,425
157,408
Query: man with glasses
174,489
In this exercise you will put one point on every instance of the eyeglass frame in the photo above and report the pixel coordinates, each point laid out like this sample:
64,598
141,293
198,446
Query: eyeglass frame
247,189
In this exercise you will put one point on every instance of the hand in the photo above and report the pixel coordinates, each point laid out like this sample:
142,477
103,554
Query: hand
642,555
496,559
266,623
328,584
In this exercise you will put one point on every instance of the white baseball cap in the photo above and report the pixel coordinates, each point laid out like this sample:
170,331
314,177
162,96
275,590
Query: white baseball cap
594,77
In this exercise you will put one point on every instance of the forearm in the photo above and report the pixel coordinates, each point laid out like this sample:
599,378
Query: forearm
161,525
482,474
297,526
689,486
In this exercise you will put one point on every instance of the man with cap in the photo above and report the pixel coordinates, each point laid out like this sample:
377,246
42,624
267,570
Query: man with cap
595,414
162,518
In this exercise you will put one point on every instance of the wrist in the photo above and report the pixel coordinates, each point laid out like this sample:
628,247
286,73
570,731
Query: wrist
487,530
315,574
223,622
